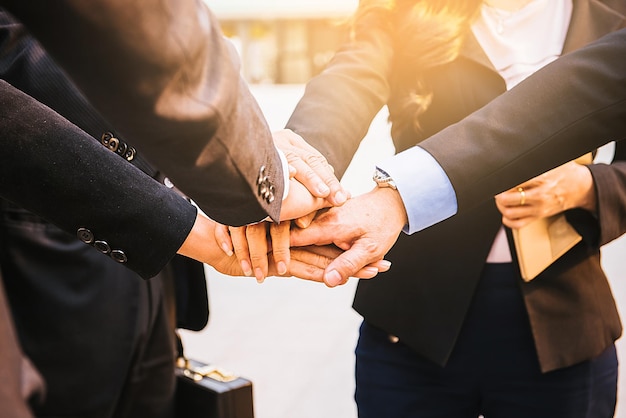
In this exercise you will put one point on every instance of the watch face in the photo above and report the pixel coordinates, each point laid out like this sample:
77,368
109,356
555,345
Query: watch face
382,179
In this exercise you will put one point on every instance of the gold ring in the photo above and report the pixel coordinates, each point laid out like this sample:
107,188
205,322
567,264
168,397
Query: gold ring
522,196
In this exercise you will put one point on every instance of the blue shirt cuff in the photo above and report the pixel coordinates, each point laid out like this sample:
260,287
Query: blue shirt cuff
424,187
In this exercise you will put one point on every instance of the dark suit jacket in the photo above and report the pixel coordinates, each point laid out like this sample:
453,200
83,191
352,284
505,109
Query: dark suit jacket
424,297
25,65
162,74
76,310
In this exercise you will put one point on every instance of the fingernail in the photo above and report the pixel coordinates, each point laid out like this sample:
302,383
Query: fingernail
258,273
333,278
245,266
226,249
384,264
340,197
281,267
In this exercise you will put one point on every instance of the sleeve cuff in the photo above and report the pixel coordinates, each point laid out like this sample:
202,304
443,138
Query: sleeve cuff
424,187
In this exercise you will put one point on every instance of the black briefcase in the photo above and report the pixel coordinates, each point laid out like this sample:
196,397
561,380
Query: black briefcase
206,391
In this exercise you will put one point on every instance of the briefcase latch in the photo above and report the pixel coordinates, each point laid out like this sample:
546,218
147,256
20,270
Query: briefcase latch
197,373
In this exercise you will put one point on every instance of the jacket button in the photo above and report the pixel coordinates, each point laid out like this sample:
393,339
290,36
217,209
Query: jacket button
121,149
85,235
119,256
102,246
130,154
113,144
105,138
109,141
262,188
261,176
269,198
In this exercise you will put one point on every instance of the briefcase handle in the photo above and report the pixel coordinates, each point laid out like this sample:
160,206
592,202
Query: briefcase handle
198,372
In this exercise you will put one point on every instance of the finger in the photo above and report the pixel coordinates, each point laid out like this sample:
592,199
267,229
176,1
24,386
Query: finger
520,212
307,175
312,235
222,237
382,265
347,265
511,199
300,202
312,168
312,260
240,245
517,223
330,252
279,233
257,246
308,263
315,173
305,221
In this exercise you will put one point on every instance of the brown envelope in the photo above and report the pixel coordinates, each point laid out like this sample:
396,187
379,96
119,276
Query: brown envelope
541,242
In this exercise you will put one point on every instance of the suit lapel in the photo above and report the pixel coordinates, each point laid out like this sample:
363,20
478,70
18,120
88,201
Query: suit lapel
591,19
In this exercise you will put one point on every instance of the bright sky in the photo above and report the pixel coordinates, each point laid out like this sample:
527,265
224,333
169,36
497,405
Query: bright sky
268,9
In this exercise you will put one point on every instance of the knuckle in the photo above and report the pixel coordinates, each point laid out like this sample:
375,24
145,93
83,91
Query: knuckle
315,160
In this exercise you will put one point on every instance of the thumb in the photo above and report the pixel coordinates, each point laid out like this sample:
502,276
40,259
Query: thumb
346,265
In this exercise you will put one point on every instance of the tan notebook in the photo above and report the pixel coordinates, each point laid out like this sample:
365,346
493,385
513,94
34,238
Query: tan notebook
543,241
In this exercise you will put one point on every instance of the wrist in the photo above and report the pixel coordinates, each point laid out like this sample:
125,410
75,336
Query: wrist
587,192
197,245
389,200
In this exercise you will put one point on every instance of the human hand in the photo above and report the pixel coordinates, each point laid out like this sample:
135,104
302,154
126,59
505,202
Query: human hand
253,244
366,227
311,168
565,187
300,202
307,263
256,251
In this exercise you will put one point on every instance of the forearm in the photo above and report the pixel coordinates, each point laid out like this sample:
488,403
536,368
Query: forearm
514,138
354,83
57,171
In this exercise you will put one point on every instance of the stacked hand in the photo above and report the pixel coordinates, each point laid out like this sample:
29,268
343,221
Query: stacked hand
337,245
308,263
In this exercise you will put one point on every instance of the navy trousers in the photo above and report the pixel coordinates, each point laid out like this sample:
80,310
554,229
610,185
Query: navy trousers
493,370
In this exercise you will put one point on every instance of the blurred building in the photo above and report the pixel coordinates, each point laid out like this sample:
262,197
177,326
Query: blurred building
284,41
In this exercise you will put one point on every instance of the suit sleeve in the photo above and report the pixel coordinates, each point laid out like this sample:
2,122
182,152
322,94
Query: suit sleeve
52,168
610,185
339,104
564,110
161,72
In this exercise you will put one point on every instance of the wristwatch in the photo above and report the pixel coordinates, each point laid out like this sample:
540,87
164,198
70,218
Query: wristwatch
383,179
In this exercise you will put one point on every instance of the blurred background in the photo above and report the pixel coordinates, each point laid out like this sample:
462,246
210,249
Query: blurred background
283,41
294,339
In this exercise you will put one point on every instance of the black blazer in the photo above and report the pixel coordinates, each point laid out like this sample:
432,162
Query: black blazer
77,311
424,297
162,73
28,67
